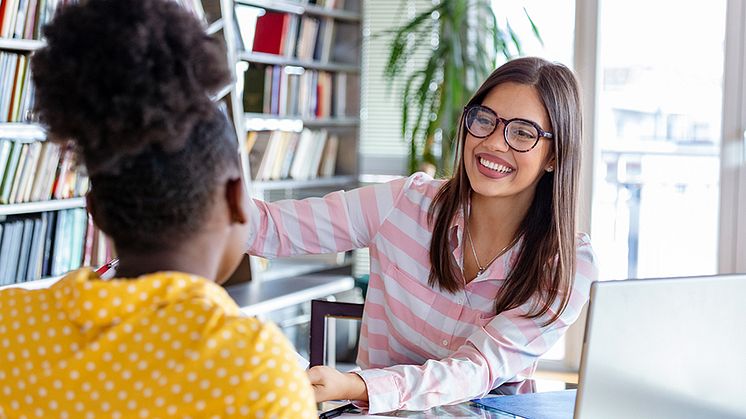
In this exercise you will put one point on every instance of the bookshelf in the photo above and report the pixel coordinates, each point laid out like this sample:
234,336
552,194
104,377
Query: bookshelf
44,228
300,95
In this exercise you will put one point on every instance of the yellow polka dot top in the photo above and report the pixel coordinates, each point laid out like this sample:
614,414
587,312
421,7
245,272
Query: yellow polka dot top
166,344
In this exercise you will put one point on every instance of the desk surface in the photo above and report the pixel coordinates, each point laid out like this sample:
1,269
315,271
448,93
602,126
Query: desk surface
471,410
256,298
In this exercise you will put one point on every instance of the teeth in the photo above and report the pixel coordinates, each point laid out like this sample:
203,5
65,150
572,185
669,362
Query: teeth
494,166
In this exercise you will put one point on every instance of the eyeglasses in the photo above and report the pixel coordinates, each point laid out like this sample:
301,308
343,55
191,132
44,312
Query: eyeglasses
521,135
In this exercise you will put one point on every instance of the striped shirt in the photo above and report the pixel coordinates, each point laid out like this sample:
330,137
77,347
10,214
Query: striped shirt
419,346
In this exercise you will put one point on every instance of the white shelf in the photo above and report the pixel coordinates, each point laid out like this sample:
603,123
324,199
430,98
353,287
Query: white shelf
272,59
41,206
299,9
24,45
22,131
324,182
267,122
297,267
262,297
215,27
35,284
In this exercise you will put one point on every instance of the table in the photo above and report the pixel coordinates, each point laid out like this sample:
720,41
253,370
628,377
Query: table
472,410
262,297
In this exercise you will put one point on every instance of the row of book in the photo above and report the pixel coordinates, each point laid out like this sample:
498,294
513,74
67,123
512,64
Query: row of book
275,155
38,171
293,91
49,244
23,19
304,37
17,97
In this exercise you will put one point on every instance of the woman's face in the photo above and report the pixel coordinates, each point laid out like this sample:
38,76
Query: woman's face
496,170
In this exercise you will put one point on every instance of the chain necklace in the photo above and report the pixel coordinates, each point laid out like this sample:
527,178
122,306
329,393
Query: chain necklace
481,268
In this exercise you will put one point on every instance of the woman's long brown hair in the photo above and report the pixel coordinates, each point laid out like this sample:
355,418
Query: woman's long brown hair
545,266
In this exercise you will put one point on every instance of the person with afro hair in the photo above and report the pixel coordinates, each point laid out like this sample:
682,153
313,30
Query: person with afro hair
129,84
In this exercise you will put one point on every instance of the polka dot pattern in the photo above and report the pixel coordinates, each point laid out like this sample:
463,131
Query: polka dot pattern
163,345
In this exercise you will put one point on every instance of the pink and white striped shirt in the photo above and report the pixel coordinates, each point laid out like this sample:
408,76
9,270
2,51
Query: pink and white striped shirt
419,346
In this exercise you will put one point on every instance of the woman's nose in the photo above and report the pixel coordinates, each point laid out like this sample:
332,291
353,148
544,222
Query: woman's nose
496,141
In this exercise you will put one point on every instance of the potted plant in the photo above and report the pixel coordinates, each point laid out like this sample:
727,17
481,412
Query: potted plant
469,39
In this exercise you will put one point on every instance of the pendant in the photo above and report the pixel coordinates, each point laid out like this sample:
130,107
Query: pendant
479,273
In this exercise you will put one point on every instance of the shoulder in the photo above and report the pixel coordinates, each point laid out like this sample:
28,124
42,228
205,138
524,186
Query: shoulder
418,187
277,385
424,183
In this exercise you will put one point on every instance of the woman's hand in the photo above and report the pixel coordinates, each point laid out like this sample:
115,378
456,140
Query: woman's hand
330,384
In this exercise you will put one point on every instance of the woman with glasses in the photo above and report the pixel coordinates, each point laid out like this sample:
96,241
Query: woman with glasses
472,278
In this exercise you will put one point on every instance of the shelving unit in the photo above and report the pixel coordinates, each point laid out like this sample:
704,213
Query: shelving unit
341,57
44,228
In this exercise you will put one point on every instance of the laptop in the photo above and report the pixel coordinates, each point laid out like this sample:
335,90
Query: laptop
665,348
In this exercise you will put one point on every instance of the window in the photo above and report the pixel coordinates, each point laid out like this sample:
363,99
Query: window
657,165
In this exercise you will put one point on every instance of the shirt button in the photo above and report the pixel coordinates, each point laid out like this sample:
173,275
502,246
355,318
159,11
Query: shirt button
445,342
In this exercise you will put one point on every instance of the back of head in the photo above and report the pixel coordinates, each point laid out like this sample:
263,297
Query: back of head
129,82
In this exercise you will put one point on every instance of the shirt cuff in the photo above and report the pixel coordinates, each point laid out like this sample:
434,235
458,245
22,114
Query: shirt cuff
383,391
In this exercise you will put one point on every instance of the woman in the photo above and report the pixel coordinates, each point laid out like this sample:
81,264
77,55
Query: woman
474,278
129,81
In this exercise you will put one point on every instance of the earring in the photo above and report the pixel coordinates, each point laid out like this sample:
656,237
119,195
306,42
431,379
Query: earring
550,169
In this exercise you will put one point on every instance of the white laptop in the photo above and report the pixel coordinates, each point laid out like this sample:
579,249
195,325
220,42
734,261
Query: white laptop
665,348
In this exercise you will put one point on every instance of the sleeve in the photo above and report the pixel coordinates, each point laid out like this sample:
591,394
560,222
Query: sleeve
338,222
509,344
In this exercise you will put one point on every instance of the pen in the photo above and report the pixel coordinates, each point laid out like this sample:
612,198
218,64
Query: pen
112,264
337,411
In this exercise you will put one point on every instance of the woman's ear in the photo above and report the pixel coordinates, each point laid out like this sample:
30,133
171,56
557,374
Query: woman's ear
235,196
550,165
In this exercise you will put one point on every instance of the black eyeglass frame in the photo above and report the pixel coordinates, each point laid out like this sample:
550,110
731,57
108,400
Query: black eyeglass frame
542,133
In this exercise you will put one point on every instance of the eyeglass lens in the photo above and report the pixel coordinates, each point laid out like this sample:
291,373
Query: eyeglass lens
520,134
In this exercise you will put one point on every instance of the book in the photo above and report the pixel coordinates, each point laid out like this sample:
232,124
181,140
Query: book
5,148
309,28
314,161
17,93
10,172
15,250
24,250
254,88
80,225
269,32
37,249
257,153
292,146
291,36
3,248
61,242
329,158
49,239
22,161
305,144
548,405
24,193
246,19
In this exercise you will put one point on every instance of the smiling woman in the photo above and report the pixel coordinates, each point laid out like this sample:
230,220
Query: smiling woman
476,276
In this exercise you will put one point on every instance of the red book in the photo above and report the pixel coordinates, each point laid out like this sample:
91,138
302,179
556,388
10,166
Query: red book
269,35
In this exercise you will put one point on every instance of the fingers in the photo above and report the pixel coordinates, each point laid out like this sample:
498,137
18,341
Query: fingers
315,375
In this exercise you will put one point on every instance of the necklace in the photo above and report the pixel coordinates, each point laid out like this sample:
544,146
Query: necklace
481,268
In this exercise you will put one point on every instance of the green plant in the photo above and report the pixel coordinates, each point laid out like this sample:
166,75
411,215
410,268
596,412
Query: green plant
469,39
